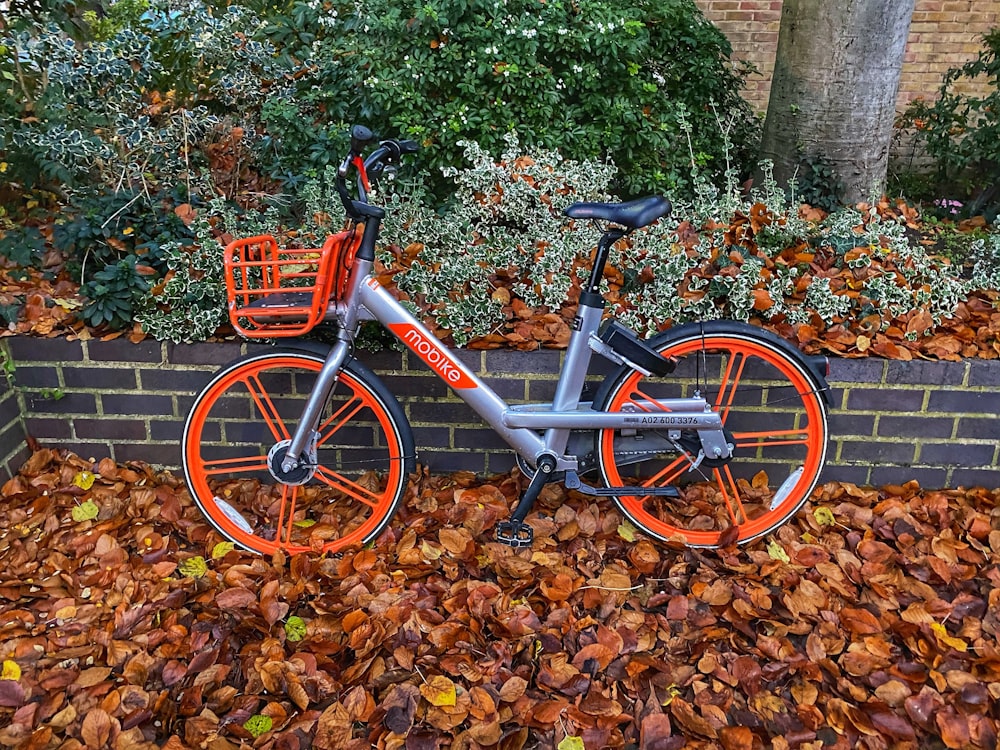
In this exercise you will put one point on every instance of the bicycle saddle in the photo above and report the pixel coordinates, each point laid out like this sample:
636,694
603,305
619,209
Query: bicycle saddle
631,214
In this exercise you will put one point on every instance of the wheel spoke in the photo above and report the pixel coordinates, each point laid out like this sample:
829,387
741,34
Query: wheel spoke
731,495
240,465
289,497
339,419
266,407
342,484
730,382
644,401
771,438
668,474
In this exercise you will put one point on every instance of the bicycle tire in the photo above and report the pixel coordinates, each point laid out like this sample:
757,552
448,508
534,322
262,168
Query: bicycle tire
772,407
365,454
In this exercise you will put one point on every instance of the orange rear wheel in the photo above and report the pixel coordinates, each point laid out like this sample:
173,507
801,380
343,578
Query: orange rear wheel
772,411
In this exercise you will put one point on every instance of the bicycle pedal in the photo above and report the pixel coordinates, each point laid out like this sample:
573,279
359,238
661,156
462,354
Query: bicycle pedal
515,534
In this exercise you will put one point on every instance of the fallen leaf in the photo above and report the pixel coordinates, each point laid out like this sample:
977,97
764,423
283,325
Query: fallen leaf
85,511
193,567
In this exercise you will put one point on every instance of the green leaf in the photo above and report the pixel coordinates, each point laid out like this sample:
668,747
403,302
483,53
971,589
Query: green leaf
85,511
295,628
258,725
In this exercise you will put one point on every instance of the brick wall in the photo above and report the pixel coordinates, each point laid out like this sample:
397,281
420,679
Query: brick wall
892,421
13,450
943,35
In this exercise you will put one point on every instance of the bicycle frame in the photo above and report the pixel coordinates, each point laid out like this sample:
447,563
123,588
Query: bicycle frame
532,430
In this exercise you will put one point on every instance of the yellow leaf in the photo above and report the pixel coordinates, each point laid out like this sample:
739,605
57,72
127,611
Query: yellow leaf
193,567
305,523
626,531
222,549
11,670
863,343
69,305
571,742
430,552
824,517
941,632
65,613
777,552
84,480
672,692
85,511
439,691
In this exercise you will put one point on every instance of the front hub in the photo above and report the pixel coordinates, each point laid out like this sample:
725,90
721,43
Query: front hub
298,474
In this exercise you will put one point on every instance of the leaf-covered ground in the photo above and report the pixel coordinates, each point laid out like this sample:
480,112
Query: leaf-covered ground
870,621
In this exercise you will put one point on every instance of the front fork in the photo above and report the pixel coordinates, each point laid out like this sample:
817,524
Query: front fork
305,432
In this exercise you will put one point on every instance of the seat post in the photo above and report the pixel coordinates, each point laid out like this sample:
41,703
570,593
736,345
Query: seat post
608,239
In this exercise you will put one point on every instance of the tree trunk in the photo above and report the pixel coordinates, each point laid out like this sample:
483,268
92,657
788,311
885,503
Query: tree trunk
833,94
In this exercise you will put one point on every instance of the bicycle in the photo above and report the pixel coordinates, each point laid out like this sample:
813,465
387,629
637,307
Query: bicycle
707,434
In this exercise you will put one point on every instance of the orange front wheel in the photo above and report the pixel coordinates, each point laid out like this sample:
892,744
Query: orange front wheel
344,493
773,413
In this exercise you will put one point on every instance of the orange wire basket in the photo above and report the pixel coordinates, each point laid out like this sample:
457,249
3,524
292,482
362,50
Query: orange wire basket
276,292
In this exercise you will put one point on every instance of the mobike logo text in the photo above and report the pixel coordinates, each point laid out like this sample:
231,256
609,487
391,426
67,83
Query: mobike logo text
433,354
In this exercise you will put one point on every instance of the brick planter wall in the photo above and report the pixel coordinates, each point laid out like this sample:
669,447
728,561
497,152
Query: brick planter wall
13,449
935,422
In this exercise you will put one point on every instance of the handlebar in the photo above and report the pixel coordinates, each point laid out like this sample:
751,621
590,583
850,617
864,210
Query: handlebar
388,155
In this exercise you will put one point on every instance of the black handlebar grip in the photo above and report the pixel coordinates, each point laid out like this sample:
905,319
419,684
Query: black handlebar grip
360,137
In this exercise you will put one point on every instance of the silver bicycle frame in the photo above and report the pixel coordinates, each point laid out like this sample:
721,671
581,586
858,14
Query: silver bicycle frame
530,429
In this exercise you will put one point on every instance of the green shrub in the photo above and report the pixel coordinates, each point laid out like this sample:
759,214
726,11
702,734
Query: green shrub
646,84
98,228
593,79
112,294
961,132
190,305
129,106
112,115
505,227
129,99
23,246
